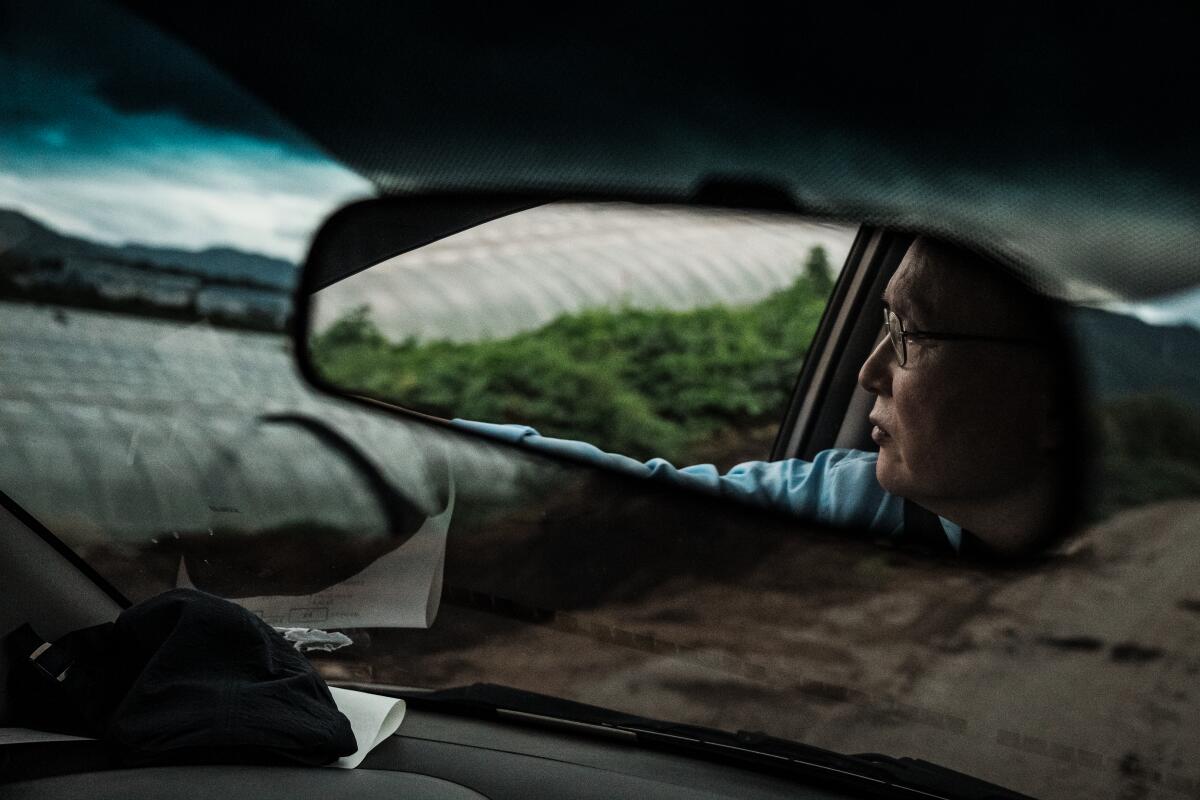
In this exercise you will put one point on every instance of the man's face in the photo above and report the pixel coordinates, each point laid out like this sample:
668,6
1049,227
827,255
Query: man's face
962,420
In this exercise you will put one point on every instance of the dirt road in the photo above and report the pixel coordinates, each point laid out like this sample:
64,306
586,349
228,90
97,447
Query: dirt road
1074,680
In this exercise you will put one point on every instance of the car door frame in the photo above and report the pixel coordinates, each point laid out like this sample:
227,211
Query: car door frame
827,407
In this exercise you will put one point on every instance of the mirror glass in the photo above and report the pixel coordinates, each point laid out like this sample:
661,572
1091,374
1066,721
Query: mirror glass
667,341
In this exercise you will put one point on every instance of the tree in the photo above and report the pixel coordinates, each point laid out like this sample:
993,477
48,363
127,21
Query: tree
355,328
818,271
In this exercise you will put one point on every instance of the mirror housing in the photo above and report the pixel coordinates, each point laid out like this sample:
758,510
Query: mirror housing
373,232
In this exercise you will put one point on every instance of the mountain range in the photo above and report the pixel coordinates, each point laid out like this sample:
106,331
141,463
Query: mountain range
22,236
1122,355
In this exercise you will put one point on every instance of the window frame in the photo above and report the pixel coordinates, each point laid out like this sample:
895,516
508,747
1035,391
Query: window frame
828,408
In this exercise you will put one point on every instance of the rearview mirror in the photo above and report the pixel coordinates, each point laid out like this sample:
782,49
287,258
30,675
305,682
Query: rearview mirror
669,340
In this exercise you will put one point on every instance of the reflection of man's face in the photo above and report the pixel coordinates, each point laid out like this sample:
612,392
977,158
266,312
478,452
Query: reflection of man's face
962,421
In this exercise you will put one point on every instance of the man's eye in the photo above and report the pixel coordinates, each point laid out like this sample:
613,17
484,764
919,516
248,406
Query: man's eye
918,344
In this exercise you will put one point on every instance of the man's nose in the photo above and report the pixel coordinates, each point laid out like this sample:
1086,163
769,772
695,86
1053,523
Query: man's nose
876,373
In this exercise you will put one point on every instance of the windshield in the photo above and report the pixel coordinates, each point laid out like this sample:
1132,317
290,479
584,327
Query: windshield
154,420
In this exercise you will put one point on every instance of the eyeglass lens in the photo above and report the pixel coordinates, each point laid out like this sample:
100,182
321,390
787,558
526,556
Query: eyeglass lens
896,334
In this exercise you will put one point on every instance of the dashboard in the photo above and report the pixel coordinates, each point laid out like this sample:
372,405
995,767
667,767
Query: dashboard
434,756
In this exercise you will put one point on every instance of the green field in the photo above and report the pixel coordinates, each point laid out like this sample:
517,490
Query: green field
641,382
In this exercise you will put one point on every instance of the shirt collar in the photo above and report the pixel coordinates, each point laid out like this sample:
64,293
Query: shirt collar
954,533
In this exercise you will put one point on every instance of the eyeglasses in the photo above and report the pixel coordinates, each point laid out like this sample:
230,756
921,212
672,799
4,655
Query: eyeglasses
900,337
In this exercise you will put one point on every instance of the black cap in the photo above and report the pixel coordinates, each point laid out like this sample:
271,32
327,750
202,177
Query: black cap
190,677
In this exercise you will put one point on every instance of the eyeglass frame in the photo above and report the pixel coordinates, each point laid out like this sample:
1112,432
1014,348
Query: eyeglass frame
899,336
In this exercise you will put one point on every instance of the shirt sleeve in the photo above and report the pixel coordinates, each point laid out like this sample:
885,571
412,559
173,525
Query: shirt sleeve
838,487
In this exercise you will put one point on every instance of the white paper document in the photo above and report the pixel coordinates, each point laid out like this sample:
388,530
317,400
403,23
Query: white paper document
373,718
401,589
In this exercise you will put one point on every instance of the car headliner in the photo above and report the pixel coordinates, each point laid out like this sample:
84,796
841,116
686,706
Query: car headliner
1062,142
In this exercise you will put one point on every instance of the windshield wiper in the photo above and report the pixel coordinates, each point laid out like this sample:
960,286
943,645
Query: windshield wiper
870,773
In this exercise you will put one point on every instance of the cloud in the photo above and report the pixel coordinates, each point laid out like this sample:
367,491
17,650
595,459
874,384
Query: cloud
1180,308
109,132
88,170
255,198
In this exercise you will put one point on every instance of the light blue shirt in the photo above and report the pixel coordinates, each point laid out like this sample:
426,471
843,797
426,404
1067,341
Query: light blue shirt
838,487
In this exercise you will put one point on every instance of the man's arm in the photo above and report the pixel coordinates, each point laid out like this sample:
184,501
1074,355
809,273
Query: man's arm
838,487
